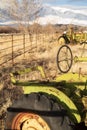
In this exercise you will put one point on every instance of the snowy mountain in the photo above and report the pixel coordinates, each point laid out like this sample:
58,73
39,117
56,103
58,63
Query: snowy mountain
54,15
63,15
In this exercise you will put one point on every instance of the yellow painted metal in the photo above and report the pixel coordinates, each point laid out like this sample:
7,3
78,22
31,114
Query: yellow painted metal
61,41
41,71
28,70
13,80
76,79
69,78
75,86
77,36
84,100
80,59
60,96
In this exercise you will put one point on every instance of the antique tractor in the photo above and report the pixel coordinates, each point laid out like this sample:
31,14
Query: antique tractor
65,57
59,104
73,37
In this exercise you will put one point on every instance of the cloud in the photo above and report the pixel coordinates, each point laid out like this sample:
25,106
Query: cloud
50,0
66,2
77,0
63,0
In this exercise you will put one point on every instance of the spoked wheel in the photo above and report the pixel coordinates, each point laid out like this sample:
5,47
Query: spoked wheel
37,111
64,58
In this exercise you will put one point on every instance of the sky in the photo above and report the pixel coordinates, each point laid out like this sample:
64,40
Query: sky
66,2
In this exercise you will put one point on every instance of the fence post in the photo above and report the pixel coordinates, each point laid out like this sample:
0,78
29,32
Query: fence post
36,41
24,44
30,37
12,52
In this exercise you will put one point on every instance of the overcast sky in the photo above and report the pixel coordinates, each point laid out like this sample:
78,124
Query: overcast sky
54,2
66,2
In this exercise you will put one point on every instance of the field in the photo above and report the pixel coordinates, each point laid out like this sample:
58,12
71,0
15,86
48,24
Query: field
24,50
18,52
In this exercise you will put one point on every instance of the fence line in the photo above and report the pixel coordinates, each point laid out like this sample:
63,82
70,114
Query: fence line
14,45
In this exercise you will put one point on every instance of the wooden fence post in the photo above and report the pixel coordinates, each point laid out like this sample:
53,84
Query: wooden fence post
36,41
31,38
12,52
24,44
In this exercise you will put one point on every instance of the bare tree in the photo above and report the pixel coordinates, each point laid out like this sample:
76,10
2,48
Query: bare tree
31,9
23,11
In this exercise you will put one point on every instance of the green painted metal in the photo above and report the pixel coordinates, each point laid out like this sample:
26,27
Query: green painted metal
13,79
72,77
80,59
78,37
29,87
73,88
28,70
74,81
41,71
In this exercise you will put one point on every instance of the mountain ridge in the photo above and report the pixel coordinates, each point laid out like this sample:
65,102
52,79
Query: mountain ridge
59,14
53,15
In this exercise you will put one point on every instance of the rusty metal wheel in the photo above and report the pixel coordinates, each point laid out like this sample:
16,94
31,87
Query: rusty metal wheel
29,121
37,111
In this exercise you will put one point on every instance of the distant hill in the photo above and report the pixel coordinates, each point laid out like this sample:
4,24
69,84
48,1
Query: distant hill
52,15
63,15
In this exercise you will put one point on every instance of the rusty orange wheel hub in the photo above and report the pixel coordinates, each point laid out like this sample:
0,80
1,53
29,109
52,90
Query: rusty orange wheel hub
29,121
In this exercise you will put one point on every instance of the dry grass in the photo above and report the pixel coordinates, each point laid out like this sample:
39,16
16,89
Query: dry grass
44,52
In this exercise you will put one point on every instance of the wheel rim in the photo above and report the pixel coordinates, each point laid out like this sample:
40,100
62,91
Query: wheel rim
61,41
64,59
29,121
